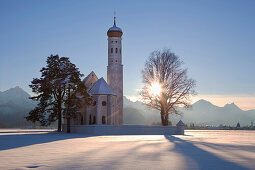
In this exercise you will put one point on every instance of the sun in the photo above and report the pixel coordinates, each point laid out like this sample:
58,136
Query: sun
155,89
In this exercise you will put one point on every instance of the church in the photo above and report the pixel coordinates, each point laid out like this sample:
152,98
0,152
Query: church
107,97
106,107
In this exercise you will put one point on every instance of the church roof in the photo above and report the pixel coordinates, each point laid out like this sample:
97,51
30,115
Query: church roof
180,123
100,87
90,79
115,28
88,76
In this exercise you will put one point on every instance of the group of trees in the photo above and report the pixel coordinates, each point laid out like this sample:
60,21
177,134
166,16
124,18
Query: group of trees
60,91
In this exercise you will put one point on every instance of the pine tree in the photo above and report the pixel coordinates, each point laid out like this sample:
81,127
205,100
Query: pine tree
238,125
59,91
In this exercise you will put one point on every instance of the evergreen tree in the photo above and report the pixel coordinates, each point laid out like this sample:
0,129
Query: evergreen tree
59,91
238,125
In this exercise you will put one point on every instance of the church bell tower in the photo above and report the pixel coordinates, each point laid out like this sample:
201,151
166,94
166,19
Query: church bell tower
115,68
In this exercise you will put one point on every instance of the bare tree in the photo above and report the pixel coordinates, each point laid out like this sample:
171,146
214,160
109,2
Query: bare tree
166,84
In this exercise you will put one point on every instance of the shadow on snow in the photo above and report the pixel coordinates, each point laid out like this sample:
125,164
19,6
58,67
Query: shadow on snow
201,158
193,155
20,140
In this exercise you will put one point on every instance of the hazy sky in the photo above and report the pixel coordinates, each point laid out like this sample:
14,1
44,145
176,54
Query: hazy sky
215,39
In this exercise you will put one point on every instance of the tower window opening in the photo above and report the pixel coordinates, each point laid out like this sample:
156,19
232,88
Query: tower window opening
111,50
116,50
116,61
120,50
94,103
104,103
103,120
112,41
116,41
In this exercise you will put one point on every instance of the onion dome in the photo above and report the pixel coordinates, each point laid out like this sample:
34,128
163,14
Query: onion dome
114,31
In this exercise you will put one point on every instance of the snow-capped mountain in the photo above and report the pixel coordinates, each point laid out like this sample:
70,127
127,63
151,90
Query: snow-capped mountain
16,96
14,99
14,106
202,113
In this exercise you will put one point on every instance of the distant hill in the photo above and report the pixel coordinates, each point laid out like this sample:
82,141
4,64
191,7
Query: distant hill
133,116
14,106
202,113
15,97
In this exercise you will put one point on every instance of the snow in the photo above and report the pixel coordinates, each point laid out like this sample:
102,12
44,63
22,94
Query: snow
114,28
46,149
61,67
61,82
67,81
80,97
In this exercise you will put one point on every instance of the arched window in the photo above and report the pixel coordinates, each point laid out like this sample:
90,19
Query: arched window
90,119
103,120
104,103
116,41
94,120
116,50
116,61
111,50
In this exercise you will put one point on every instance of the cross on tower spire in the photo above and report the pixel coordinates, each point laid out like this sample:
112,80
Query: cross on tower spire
114,24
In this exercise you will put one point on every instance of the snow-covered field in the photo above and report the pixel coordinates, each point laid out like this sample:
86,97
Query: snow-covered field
46,149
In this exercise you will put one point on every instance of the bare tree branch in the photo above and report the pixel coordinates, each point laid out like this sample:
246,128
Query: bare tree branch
165,68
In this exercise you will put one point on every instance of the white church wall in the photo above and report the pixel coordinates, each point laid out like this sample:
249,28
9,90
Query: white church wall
126,129
101,109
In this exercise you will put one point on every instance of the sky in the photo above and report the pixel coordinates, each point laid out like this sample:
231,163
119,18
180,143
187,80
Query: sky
215,39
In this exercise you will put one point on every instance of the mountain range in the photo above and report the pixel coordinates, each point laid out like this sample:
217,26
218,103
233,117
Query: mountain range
202,112
15,98
15,105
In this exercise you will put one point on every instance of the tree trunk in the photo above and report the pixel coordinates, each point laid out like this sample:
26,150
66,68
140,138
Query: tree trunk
59,121
164,116
59,116
166,119
68,126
